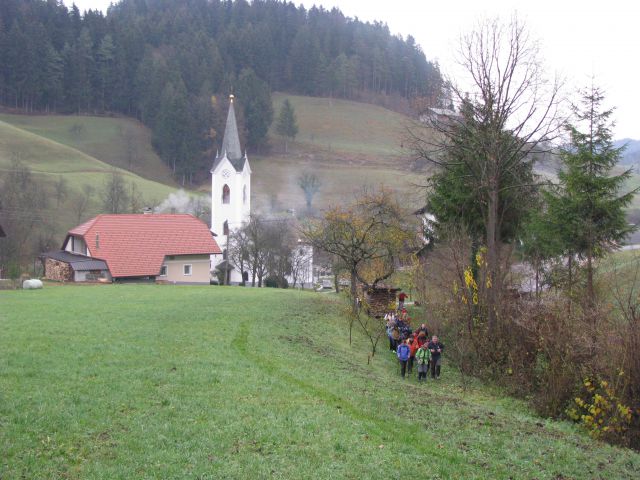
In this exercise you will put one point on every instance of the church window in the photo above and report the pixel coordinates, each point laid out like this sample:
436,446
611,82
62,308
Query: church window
226,194
225,227
244,194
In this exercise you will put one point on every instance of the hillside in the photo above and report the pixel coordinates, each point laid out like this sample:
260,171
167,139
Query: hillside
135,381
49,160
121,142
347,144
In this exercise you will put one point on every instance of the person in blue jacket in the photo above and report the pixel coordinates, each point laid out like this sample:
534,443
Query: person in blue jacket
404,352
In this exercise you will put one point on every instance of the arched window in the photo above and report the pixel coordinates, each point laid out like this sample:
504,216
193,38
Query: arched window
226,193
225,227
244,194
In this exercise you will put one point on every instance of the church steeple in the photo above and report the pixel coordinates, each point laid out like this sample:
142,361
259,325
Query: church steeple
230,190
231,139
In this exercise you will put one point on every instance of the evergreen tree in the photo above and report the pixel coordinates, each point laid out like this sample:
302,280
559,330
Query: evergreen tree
105,57
588,210
255,97
287,126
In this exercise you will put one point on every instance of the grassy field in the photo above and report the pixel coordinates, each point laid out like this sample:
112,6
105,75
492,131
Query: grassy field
344,126
50,160
126,381
348,145
120,142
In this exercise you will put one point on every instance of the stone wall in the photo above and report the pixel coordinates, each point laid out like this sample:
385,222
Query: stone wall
57,270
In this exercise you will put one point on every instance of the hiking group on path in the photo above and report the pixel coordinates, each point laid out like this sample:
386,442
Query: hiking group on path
413,347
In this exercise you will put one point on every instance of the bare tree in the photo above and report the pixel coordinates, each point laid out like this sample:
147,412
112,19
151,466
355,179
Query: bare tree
279,242
62,190
300,262
82,201
24,216
114,193
239,252
136,201
508,114
310,184
257,247
130,147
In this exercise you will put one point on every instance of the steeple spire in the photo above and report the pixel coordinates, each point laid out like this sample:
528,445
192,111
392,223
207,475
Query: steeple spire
231,139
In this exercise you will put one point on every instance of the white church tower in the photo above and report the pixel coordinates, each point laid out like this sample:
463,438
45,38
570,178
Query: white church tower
230,192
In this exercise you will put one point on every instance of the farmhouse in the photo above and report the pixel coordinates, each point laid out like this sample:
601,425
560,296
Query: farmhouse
166,248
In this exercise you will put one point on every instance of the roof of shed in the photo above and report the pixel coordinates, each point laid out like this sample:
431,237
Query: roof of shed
78,262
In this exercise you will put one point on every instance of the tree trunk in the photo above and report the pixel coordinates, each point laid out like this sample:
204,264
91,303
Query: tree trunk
354,293
590,290
537,267
492,258
570,265
354,302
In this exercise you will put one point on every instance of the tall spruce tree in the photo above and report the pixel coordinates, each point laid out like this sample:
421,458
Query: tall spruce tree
587,210
287,125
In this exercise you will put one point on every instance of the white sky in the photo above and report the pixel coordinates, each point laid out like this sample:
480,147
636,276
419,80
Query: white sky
579,39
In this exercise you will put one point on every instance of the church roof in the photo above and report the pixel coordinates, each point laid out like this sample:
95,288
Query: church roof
231,143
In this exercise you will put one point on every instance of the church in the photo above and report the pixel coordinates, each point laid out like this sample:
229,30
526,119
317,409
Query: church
230,194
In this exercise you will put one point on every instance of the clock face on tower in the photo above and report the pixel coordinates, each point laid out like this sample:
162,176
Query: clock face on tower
226,173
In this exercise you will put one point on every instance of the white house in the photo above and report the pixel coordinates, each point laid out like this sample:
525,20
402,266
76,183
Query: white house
230,192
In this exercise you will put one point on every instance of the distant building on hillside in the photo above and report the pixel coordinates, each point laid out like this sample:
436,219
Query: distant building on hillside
433,116
230,195
169,248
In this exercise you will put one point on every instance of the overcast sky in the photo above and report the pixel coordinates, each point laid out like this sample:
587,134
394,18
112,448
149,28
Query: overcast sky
580,39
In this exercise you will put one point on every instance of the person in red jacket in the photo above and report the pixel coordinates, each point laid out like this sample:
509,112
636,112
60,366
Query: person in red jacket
414,348
401,298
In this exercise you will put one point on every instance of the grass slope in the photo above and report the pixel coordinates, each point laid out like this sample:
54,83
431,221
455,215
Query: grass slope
122,142
348,145
50,160
127,381
345,126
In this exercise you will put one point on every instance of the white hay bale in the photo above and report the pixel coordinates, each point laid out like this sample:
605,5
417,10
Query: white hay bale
32,284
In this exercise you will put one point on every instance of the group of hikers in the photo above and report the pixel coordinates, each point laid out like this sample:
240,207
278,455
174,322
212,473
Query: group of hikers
413,347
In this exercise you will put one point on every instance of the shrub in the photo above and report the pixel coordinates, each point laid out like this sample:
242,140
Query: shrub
600,411
273,281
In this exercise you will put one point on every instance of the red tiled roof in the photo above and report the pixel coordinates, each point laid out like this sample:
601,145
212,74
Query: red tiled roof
135,245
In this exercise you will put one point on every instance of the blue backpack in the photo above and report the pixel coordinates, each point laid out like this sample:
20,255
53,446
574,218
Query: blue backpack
403,351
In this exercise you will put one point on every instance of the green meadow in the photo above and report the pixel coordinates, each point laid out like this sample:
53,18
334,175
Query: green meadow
146,381
115,141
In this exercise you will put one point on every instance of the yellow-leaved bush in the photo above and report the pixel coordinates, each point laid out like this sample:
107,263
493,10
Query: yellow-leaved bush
599,410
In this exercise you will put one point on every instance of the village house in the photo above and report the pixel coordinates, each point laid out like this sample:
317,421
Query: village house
167,248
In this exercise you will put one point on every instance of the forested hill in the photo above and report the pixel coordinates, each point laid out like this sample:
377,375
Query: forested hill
162,61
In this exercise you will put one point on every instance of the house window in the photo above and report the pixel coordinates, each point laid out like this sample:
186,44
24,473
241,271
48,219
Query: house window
244,194
187,269
226,194
163,271
225,227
